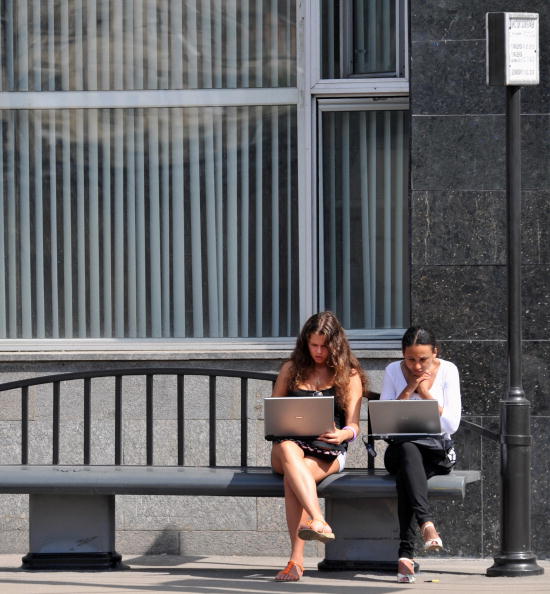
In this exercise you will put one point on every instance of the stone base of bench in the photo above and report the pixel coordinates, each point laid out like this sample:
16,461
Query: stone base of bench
72,532
367,534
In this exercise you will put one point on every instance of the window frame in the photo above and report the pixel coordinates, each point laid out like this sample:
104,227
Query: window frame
395,91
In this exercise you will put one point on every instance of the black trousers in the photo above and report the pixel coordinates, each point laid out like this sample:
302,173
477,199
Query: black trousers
412,466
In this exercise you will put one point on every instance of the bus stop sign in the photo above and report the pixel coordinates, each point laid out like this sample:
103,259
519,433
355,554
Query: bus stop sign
512,48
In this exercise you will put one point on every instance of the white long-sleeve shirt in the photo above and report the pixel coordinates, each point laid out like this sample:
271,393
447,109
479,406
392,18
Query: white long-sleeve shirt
445,388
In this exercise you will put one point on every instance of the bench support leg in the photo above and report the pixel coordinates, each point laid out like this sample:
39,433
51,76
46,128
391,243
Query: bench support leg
367,534
72,532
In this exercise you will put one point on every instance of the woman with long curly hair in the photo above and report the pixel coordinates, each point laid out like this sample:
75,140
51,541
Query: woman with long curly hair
321,363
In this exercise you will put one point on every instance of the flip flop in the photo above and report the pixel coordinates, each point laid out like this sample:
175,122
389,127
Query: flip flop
408,564
431,544
286,572
307,532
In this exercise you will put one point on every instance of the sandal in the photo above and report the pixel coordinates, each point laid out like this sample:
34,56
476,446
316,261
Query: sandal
285,576
407,566
307,532
431,544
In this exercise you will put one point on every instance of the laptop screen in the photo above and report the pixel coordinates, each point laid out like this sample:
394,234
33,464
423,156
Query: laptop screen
298,416
398,417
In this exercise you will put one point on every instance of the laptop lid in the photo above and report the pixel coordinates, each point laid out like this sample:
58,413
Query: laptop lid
298,416
404,418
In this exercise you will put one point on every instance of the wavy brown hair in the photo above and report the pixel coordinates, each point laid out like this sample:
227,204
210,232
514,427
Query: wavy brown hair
341,360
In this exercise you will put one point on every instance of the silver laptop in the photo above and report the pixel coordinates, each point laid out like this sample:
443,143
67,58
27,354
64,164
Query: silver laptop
404,418
298,416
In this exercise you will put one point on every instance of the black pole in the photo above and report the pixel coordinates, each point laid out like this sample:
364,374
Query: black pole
515,557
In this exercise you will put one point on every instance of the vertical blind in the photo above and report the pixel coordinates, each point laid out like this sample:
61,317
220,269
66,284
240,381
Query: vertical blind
363,213
79,45
148,222
359,38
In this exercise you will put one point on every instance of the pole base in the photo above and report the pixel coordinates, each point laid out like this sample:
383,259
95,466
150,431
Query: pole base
515,566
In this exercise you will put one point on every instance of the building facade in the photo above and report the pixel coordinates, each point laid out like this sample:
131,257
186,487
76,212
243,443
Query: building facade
187,181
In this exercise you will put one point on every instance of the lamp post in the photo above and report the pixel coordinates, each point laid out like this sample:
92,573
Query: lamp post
512,61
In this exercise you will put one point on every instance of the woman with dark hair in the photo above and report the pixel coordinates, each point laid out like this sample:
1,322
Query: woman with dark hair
421,374
321,363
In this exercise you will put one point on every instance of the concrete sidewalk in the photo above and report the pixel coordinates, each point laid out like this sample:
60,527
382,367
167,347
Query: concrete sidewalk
220,575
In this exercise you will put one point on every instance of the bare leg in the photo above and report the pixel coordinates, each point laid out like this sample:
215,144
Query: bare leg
301,475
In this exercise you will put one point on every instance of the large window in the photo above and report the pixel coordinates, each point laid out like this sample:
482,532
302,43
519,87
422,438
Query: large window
362,209
361,110
148,222
201,168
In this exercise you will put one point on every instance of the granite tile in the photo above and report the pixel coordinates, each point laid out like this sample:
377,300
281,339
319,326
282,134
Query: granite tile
10,438
271,514
475,233
147,542
468,445
40,442
187,513
15,512
536,375
102,399
14,541
10,405
536,302
535,147
133,442
448,77
449,19
459,523
460,302
241,543
458,152
535,229
483,369
71,442
102,442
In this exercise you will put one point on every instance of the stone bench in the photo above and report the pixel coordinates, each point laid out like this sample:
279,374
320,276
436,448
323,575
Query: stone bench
72,506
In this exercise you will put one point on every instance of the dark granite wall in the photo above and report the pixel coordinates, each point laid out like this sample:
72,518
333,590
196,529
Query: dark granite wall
458,251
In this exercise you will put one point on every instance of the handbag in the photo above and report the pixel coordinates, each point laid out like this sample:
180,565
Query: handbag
442,447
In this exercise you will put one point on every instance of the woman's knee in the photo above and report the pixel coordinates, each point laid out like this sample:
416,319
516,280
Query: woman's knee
285,452
401,454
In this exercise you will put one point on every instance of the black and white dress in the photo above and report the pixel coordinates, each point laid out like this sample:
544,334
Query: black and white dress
320,449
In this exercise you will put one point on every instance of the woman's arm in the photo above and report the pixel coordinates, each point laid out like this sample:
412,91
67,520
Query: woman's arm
353,408
452,402
352,412
283,380
392,385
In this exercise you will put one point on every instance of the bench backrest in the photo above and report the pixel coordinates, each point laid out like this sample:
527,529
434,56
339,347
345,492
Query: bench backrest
86,378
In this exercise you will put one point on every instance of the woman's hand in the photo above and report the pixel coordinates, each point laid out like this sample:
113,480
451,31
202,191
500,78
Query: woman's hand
416,383
336,436
421,384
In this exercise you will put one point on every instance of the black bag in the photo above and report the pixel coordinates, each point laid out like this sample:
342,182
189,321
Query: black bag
442,448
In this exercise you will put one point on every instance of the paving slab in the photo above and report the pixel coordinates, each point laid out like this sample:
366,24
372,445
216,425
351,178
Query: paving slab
251,575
